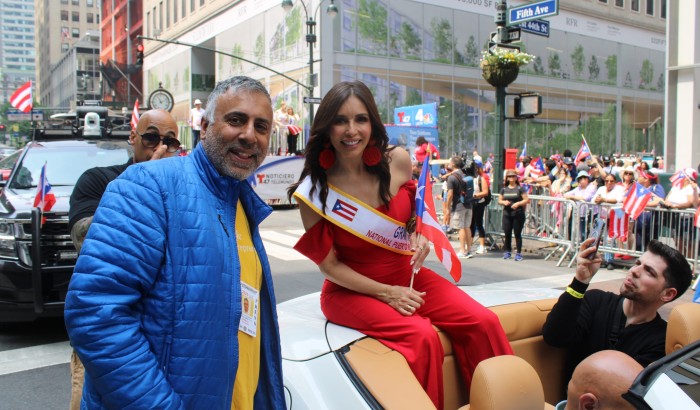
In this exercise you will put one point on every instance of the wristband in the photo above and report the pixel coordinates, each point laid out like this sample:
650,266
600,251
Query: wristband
572,292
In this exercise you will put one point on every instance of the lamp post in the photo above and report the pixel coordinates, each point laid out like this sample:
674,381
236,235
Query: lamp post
332,11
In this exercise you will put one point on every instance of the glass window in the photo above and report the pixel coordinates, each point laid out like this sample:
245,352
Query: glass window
148,23
64,1
174,11
603,1
75,16
90,18
75,2
201,3
650,7
191,6
184,8
75,33
635,5
64,15
64,47
663,9
65,33
167,13
90,3
620,3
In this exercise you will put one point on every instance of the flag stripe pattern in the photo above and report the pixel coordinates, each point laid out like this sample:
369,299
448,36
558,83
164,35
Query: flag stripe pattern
582,153
135,115
538,168
427,225
344,210
45,199
618,225
22,98
636,200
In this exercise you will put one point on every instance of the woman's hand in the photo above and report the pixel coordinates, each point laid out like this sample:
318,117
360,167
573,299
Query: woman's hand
421,246
406,301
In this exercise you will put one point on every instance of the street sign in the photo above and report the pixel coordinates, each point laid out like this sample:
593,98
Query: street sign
14,114
312,100
532,11
513,35
539,27
493,46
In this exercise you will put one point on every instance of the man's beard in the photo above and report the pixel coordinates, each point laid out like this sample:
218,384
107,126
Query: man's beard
217,150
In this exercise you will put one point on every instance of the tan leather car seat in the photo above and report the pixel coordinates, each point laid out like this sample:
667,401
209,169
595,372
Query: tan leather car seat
506,383
683,326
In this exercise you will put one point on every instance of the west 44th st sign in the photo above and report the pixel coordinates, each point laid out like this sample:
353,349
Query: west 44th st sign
532,11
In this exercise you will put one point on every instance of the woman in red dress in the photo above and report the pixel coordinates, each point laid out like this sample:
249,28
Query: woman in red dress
367,284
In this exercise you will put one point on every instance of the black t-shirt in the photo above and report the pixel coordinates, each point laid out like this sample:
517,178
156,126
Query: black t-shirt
89,189
454,182
585,326
513,195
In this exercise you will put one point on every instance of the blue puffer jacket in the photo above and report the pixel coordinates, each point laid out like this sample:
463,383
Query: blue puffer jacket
154,304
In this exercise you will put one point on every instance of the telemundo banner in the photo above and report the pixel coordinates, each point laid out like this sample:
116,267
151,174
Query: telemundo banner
423,115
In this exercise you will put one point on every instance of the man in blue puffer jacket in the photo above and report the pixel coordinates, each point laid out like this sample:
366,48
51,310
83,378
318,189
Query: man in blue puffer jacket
154,306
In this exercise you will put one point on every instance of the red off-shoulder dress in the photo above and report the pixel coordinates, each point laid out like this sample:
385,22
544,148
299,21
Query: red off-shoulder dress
475,331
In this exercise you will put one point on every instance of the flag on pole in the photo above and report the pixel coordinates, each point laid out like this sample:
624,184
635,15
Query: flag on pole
22,98
45,199
618,224
427,225
524,153
582,153
537,168
135,115
636,200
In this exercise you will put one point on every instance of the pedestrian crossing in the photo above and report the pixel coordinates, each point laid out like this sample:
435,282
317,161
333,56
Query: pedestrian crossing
279,244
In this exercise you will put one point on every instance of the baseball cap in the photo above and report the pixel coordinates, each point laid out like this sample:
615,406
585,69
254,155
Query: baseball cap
567,161
691,173
582,174
197,101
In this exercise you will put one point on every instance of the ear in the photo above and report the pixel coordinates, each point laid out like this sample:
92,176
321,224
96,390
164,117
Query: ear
132,137
668,294
588,401
205,126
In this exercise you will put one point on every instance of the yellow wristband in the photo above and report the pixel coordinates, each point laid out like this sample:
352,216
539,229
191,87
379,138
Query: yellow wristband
577,295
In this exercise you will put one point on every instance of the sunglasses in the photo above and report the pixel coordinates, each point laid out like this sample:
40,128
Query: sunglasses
609,181
153,139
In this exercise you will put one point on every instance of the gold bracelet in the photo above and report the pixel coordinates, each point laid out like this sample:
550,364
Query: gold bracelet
572,292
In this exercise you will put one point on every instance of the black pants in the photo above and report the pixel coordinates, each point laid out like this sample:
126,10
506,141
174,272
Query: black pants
292,143
513,222
195,138
478,219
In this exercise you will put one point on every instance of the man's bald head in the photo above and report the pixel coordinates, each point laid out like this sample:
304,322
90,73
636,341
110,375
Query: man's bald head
600,380
158,122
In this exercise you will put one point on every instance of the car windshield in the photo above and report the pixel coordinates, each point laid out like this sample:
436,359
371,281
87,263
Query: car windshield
65,164
9,161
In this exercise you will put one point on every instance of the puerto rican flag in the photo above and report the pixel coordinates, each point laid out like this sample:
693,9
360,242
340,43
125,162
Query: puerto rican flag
135,115
294,129
618,224
677,178
537,168
582,153
524,153
636,200
22,98
427,225
45,199
344,210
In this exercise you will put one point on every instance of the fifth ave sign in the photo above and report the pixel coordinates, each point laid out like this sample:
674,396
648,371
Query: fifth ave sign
533,11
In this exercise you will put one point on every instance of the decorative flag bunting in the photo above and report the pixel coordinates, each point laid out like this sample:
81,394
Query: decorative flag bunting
636,200
427,225
45,199
135,115
582,153
22,98
618,224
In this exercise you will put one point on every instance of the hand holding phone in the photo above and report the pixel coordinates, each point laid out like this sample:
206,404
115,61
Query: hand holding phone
597,233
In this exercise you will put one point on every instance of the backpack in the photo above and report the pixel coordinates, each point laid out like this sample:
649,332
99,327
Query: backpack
487,198
466,191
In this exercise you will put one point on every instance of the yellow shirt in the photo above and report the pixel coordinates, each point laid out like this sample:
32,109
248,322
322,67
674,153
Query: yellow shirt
248,346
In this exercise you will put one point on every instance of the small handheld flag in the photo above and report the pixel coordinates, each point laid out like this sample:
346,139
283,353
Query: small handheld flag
45,199
636,200
22,98
582,153
135,115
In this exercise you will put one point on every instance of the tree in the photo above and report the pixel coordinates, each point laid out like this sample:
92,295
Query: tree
413,97
236,63
537,66
593,69
260,49
371,20
661,83
578,60
410,41
646,74
611,66
628,80
471,53
554,64
293,23
444,41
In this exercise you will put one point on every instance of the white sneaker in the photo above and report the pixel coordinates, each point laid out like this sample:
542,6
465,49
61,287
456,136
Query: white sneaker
480,250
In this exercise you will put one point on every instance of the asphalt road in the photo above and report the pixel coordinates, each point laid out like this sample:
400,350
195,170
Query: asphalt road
34,372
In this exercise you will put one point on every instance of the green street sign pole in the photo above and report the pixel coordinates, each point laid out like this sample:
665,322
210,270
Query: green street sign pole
500,155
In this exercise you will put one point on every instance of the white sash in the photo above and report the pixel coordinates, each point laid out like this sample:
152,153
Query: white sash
357,218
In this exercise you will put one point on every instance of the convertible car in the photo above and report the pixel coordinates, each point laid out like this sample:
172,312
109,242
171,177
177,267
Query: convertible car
327,366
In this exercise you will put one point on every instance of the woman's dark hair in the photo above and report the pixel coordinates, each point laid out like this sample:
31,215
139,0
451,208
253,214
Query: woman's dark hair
320,136
610,174
550,164
420,141
678,273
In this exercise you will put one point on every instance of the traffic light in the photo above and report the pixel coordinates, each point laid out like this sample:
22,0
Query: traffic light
139,54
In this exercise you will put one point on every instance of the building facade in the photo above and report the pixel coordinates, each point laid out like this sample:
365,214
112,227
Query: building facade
76,76
600,70
17,55
122,22
60,24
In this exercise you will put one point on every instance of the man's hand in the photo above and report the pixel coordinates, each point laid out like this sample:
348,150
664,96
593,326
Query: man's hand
587,268
159,153
79,232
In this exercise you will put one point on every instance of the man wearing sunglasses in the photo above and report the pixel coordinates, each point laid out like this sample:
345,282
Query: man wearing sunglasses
155,307
154,138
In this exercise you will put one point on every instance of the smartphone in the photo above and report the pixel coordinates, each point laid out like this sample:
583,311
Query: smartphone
597,233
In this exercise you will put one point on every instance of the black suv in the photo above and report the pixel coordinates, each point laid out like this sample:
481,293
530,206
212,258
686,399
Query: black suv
36,261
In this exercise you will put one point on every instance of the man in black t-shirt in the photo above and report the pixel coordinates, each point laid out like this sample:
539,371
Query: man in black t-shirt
458,214
155,137
590,321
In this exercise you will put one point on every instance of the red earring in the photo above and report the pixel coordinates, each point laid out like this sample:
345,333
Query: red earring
371,156
327,157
